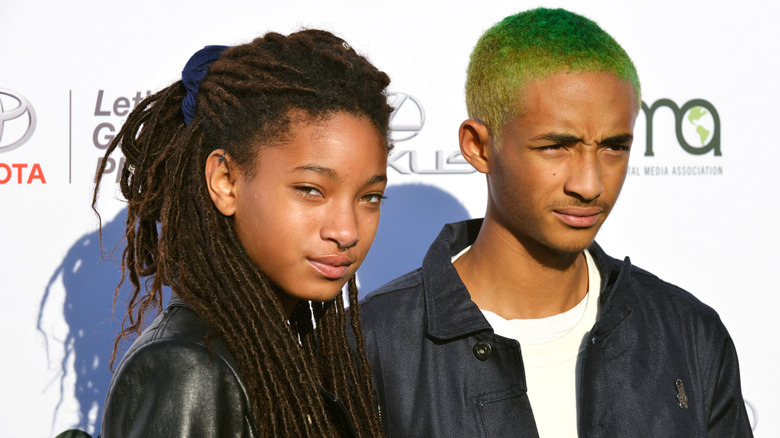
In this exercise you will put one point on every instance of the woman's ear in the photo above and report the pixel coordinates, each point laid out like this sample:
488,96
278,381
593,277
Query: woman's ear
221,181
476,144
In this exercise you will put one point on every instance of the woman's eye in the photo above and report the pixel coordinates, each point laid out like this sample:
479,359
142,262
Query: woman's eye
374,198
308,191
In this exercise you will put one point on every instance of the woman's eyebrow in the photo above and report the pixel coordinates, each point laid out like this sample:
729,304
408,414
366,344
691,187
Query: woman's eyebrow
332,174
326,171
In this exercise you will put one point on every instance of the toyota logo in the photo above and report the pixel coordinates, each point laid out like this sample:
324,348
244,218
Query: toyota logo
14,133
408,116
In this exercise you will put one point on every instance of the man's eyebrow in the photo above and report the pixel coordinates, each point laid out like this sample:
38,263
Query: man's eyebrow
618,139
558,138
569,139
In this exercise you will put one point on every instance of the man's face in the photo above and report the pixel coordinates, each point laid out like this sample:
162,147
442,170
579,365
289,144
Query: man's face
563,160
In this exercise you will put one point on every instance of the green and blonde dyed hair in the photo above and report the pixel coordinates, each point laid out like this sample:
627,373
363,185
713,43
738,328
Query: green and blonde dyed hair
533,45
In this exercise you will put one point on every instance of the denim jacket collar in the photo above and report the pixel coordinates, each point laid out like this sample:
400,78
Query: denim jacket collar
450,312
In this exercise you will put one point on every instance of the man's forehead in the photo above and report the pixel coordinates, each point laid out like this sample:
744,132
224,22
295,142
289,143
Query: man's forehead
565,83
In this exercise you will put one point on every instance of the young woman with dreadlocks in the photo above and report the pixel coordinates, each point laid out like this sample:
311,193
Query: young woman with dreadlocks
254,187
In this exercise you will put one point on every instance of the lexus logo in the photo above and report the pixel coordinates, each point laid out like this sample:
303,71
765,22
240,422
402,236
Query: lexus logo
408,116
752,415
14,133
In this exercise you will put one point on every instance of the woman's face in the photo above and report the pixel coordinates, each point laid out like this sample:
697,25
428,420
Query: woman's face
308,215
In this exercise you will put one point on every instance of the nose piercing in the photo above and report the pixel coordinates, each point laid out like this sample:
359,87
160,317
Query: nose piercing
344,248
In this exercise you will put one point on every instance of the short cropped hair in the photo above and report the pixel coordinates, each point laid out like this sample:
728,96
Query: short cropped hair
532,45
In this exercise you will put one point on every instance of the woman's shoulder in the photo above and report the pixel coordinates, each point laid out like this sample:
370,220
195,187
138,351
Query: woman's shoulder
178,338
177,323
171,379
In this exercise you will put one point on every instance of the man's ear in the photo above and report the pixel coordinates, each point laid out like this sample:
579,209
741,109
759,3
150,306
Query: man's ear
221,181
476,144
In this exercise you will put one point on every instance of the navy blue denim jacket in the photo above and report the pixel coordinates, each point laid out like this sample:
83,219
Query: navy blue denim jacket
658,362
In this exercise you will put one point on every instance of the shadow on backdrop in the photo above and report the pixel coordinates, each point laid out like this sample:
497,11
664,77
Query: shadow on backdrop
89,281
412,217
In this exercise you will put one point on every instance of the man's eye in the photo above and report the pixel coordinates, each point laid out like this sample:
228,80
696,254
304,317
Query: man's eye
552,148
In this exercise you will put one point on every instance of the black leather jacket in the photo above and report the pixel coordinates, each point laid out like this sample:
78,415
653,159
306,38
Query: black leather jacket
168,385
440,371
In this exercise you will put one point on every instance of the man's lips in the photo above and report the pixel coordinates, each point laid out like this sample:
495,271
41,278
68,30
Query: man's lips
579,217
331,266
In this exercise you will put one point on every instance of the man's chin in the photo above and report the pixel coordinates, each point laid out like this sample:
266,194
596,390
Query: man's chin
575,245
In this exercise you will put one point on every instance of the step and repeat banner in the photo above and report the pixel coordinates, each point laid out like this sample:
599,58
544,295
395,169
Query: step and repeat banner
699,207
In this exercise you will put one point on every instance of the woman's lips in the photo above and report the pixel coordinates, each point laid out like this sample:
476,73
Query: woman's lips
332,267
579,217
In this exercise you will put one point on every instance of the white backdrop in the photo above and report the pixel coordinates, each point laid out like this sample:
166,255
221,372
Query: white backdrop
80,66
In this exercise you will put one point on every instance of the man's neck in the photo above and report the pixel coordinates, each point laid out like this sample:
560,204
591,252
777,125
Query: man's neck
517,279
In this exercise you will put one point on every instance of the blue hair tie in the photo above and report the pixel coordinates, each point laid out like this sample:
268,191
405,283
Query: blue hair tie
193,74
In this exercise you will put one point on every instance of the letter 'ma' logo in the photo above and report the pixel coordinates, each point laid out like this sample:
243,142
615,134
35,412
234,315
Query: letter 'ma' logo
692,114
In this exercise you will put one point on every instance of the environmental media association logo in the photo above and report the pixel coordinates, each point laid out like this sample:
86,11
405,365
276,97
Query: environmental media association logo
699,126
407,118
15,128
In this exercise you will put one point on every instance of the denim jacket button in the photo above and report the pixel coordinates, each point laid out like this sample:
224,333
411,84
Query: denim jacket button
482,350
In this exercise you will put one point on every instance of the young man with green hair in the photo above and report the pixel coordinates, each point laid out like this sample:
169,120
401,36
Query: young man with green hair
519,324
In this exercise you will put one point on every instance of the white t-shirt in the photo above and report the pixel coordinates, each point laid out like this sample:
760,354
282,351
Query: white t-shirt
551,347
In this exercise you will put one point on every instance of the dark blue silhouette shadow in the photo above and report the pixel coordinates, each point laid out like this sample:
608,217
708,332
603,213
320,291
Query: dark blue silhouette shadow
90,280
412,217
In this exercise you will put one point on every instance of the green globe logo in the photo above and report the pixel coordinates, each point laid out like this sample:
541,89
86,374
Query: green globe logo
698,126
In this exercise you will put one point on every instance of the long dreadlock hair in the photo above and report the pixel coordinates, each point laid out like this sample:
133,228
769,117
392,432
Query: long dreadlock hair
177,237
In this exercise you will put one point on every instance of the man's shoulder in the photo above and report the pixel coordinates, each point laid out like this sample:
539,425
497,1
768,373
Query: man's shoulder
657,295
396,288
403,293
645,284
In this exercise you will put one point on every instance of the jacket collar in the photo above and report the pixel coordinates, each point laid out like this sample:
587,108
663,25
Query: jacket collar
615,287
450,313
